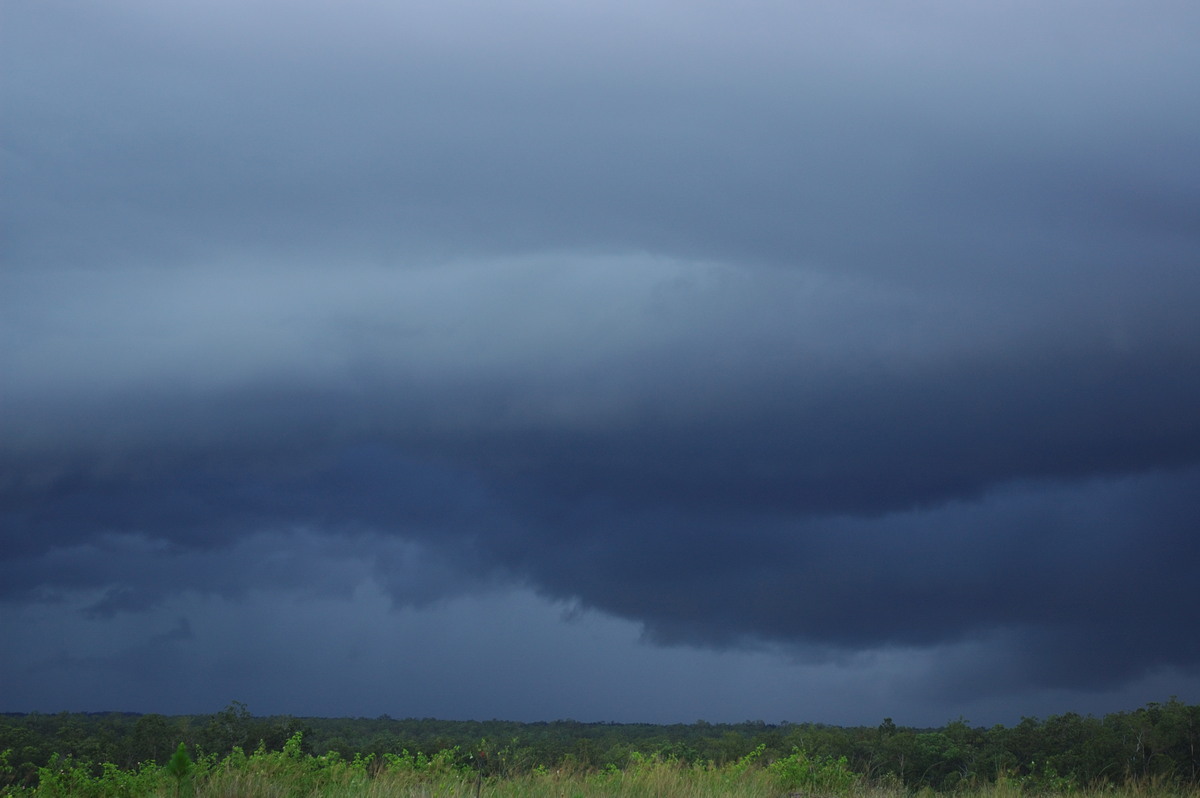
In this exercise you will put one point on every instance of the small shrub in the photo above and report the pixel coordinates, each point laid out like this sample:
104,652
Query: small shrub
820,773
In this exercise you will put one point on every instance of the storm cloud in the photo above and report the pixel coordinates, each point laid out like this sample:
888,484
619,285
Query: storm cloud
855,343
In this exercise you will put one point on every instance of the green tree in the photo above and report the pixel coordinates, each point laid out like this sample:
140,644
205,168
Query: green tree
180,768
148,741
228,728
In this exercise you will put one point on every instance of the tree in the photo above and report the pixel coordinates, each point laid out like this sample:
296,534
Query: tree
180,767
148,742
228,728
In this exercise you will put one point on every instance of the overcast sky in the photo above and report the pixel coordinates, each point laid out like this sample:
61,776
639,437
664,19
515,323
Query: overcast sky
634,361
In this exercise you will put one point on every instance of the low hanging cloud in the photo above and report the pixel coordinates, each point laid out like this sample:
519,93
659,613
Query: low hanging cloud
743,458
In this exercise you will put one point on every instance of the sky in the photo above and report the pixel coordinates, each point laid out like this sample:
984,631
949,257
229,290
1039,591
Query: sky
615,361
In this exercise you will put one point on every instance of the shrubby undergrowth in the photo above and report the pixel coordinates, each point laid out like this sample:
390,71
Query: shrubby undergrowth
292,773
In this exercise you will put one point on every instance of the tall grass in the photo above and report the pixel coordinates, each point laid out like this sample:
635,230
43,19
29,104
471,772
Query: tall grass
290,773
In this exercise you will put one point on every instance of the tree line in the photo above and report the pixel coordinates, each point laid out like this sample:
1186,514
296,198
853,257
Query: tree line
1159,742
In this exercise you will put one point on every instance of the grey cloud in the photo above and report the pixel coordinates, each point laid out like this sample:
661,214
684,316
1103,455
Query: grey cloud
828,330
638,472
396,152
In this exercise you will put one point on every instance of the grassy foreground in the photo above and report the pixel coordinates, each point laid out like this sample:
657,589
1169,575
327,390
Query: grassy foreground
290,773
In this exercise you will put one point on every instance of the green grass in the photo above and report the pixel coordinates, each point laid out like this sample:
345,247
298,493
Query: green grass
290,773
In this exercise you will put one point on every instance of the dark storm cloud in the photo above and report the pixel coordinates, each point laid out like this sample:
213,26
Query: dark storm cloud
839,540
833,330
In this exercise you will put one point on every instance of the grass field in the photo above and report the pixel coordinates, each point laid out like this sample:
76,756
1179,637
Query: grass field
289,773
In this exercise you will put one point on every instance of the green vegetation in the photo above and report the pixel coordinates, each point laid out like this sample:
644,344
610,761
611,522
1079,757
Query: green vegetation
180,767
1153,751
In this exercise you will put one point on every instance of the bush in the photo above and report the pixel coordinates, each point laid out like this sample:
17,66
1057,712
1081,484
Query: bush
818,773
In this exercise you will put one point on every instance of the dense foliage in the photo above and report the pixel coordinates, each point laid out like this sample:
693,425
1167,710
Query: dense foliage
154,754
